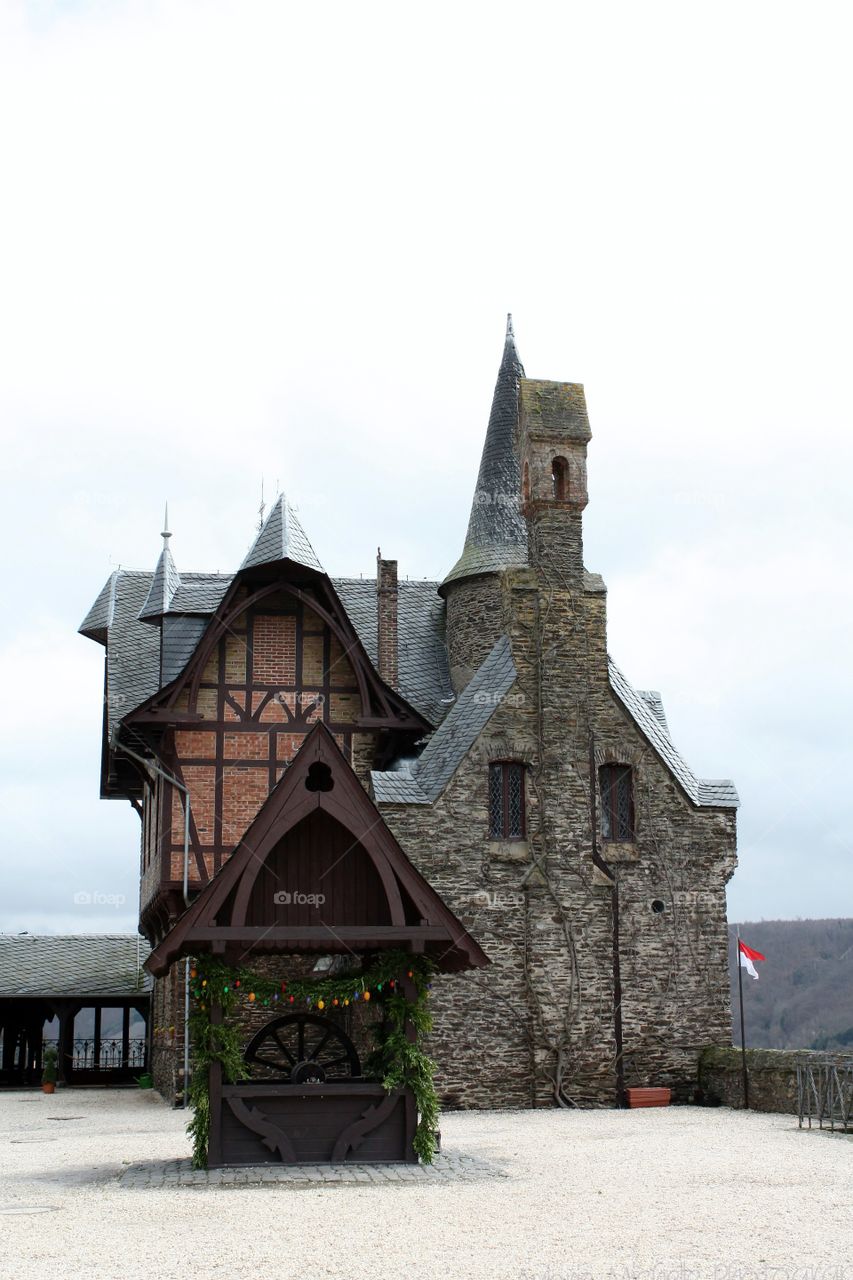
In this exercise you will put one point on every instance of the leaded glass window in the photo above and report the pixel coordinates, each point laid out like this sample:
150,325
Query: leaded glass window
617,802
506,801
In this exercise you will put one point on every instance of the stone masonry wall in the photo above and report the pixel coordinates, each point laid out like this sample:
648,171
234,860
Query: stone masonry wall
540,909
473,625
772,1077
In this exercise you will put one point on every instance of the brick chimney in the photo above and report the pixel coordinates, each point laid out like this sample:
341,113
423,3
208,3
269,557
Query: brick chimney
386,618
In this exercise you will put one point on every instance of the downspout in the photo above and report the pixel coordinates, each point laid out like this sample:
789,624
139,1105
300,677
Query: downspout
157,768
607,871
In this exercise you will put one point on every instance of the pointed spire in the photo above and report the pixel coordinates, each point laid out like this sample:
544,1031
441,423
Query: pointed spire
497,532
165,582
281,537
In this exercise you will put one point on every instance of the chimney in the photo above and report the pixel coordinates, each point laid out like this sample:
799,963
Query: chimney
386,618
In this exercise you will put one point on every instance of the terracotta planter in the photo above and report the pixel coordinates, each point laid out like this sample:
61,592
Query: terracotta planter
48,1087
648,1097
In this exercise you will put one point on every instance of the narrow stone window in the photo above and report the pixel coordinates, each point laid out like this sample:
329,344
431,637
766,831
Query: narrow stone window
617,802
560,479
525,484
506,800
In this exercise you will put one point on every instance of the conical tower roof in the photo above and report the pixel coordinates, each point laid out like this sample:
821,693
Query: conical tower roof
281,538
165,582
497,532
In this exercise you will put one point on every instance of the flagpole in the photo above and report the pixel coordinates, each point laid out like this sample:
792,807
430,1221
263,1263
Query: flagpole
742,1033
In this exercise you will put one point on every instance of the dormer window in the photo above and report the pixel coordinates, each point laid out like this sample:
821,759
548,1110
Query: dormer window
617,802
560,479
506,800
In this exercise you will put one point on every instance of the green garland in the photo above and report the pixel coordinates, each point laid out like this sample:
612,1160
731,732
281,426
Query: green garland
398,1061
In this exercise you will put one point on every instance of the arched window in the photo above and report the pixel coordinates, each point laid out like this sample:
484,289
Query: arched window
506,800
617,802
560,479
525,483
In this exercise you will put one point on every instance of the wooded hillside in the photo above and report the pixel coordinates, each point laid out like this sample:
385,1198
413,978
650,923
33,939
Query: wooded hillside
804,996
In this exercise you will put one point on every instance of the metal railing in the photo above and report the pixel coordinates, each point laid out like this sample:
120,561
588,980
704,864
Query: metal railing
87,1054
825,1091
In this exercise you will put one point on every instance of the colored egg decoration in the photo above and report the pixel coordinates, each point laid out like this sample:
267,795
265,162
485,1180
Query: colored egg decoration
290,999
367,995
251,997
321,1004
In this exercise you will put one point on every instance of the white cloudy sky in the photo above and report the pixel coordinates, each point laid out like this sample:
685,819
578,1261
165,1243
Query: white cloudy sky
279,239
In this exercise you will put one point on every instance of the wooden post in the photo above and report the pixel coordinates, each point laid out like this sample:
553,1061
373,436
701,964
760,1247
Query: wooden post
214,1145
96,1059
125,1038
407,986
67,1015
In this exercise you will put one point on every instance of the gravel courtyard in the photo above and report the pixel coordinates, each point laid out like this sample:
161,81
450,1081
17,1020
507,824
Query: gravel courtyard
95,1184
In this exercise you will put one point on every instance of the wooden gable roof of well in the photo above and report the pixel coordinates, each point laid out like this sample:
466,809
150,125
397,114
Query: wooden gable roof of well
413,915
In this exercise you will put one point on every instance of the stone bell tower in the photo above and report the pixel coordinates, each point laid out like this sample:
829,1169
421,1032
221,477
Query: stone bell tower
553,435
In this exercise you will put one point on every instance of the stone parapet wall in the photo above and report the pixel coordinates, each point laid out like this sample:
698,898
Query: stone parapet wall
772,1077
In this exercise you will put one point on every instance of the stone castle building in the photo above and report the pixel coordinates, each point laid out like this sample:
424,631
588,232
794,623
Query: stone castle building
536,790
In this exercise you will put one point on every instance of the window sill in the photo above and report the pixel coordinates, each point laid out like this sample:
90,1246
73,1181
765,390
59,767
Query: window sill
509,850
620,851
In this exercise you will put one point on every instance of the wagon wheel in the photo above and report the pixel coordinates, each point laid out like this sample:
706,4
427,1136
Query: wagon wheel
303,1048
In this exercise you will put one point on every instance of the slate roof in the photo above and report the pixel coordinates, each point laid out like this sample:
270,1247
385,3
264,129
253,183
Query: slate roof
424,779
133,646
97,621
421,781
424,675
103,964
497,531
646,710
164,585
281,538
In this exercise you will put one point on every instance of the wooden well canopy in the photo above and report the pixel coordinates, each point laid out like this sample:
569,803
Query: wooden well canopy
318,870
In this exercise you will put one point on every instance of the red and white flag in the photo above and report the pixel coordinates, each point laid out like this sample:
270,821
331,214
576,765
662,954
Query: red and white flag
747,955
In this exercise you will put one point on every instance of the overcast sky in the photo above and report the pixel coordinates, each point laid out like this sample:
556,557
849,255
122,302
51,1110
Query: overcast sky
278,240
